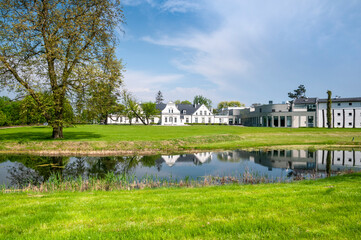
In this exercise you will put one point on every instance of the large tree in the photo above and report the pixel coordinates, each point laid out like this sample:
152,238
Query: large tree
44,45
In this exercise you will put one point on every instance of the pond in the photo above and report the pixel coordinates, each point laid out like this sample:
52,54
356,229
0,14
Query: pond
276,165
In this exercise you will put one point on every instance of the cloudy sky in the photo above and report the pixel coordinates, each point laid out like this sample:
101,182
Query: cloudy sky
250,51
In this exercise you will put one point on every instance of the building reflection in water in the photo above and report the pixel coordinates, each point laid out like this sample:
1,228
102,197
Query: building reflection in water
24,169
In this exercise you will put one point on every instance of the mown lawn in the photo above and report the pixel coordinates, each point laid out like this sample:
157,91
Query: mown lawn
322,209
156,139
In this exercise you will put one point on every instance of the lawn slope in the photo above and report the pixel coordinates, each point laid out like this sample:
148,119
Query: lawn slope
120,139
322,209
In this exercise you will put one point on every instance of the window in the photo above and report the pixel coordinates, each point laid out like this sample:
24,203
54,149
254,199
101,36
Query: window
338,124
311,107
203,120
350,160
260,110
350,123
165,119
200,113
275,121
209,120
289,121
184,111
350,104
350,114
196,120
273,110
338,159
187,120
338,104
220,120
175,119
338,114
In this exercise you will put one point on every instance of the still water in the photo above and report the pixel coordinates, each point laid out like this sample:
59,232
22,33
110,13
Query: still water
274,164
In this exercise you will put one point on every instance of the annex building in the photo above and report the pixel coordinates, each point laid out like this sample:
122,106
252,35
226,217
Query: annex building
304,112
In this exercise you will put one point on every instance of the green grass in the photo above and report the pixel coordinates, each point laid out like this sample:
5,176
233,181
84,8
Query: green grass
160,139
321,209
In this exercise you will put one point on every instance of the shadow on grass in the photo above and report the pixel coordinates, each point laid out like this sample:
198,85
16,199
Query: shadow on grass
42,136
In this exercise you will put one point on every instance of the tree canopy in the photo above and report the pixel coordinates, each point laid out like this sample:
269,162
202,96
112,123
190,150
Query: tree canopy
298,93
53,46
226,104
182,102
199,99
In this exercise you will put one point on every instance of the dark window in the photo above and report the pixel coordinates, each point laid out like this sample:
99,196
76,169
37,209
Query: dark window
350,124
260,110
338,124
338,114
273,110
311,107
350,114
350,104
338,104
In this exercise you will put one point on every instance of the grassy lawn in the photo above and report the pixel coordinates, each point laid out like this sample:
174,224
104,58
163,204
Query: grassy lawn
166,139
321,209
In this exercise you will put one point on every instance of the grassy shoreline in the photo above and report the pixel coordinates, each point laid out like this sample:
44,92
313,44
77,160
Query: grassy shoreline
315,209
146,140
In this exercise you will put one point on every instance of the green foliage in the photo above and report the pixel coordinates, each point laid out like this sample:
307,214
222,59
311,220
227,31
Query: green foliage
131,107
199,100
149,110
2,118
182,102
49,46
298,93
31,113
226,104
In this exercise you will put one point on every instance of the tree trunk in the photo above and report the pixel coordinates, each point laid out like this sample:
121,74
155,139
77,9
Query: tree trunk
58,132
329,107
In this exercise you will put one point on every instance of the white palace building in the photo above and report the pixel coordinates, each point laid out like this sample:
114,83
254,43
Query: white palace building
303,112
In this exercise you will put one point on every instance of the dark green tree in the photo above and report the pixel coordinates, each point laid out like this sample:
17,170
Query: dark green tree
159,98
298,93
44,45
329,106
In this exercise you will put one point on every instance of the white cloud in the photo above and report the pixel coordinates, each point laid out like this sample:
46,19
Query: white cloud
145,85
244,34
181,6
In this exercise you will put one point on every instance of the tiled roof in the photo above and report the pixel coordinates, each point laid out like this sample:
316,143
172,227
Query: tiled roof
190,109
161,106
305,101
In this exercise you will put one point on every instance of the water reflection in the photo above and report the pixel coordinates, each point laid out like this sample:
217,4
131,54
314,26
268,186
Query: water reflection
22,170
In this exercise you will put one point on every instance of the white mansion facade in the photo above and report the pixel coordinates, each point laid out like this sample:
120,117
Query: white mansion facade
303,112
177,115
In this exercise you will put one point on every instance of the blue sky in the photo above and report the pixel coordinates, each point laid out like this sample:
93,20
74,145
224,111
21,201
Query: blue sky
250,51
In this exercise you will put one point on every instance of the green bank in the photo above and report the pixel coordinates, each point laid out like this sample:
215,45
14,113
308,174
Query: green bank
125,139
313,209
